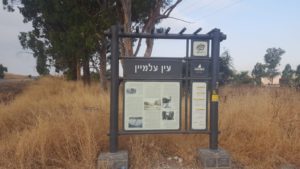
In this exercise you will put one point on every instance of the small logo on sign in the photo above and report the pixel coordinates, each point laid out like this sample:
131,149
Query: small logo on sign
199,68
200,47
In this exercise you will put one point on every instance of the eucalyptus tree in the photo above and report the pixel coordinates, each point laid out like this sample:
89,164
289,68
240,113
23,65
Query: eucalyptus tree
272,60
145,14
67,34
30,41
287,74
226,67
242,78
297,76
2,70
258,72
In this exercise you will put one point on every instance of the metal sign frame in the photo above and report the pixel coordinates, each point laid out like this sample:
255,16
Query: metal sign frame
214,37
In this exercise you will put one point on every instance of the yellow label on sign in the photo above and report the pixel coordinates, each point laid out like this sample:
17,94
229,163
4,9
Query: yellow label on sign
215,98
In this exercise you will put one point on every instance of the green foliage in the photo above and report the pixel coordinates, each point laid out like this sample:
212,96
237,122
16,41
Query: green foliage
297,72
288,72
8,6
2,70
141,9
297,76
226,67
95,76
30,41
68,33
287,75
269,69
272,60
242,78
290,77
258,72
64,32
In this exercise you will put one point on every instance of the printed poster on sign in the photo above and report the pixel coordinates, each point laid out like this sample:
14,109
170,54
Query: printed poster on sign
199,106
151,105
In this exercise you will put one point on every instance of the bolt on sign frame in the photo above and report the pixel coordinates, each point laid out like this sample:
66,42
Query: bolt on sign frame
207,60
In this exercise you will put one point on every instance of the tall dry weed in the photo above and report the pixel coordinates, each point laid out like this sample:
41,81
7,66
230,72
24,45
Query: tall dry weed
59,124
54,124
260,126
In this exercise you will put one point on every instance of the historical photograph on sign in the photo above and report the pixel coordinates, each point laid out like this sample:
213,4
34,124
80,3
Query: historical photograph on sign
135,122
199,106
168,115
130,91
200,48
166,102
151,105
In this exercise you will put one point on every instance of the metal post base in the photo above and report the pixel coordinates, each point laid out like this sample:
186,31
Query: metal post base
118,160
214,159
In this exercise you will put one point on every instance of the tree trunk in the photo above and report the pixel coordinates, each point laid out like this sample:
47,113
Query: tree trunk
86,72
148,52
150,25
126,5
153,17
71,73
78,69
103,79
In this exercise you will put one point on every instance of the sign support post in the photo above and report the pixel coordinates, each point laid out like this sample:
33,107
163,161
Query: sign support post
213,137
114,159
114,91
214,157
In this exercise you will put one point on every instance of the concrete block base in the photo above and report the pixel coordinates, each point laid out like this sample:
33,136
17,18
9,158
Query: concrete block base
118,160
214,159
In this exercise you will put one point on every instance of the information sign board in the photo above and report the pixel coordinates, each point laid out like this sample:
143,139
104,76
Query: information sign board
199,106
151,105
152,87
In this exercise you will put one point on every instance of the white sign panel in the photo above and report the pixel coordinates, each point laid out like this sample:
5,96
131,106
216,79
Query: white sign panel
151,105
200,48
199,105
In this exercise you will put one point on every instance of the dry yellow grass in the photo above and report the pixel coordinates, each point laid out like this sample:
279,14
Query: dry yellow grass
260,126
59,124
14,76
52,125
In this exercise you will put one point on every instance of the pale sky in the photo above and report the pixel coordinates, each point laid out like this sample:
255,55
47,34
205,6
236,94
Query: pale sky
251,27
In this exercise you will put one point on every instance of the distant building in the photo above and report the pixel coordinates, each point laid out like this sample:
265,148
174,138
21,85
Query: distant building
266,82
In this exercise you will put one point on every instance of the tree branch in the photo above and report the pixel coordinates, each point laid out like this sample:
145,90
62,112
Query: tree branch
170,9
164,17
138,47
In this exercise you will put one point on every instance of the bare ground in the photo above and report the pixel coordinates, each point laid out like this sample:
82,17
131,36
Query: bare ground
9,89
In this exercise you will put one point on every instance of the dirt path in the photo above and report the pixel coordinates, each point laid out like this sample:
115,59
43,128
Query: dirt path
10,88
